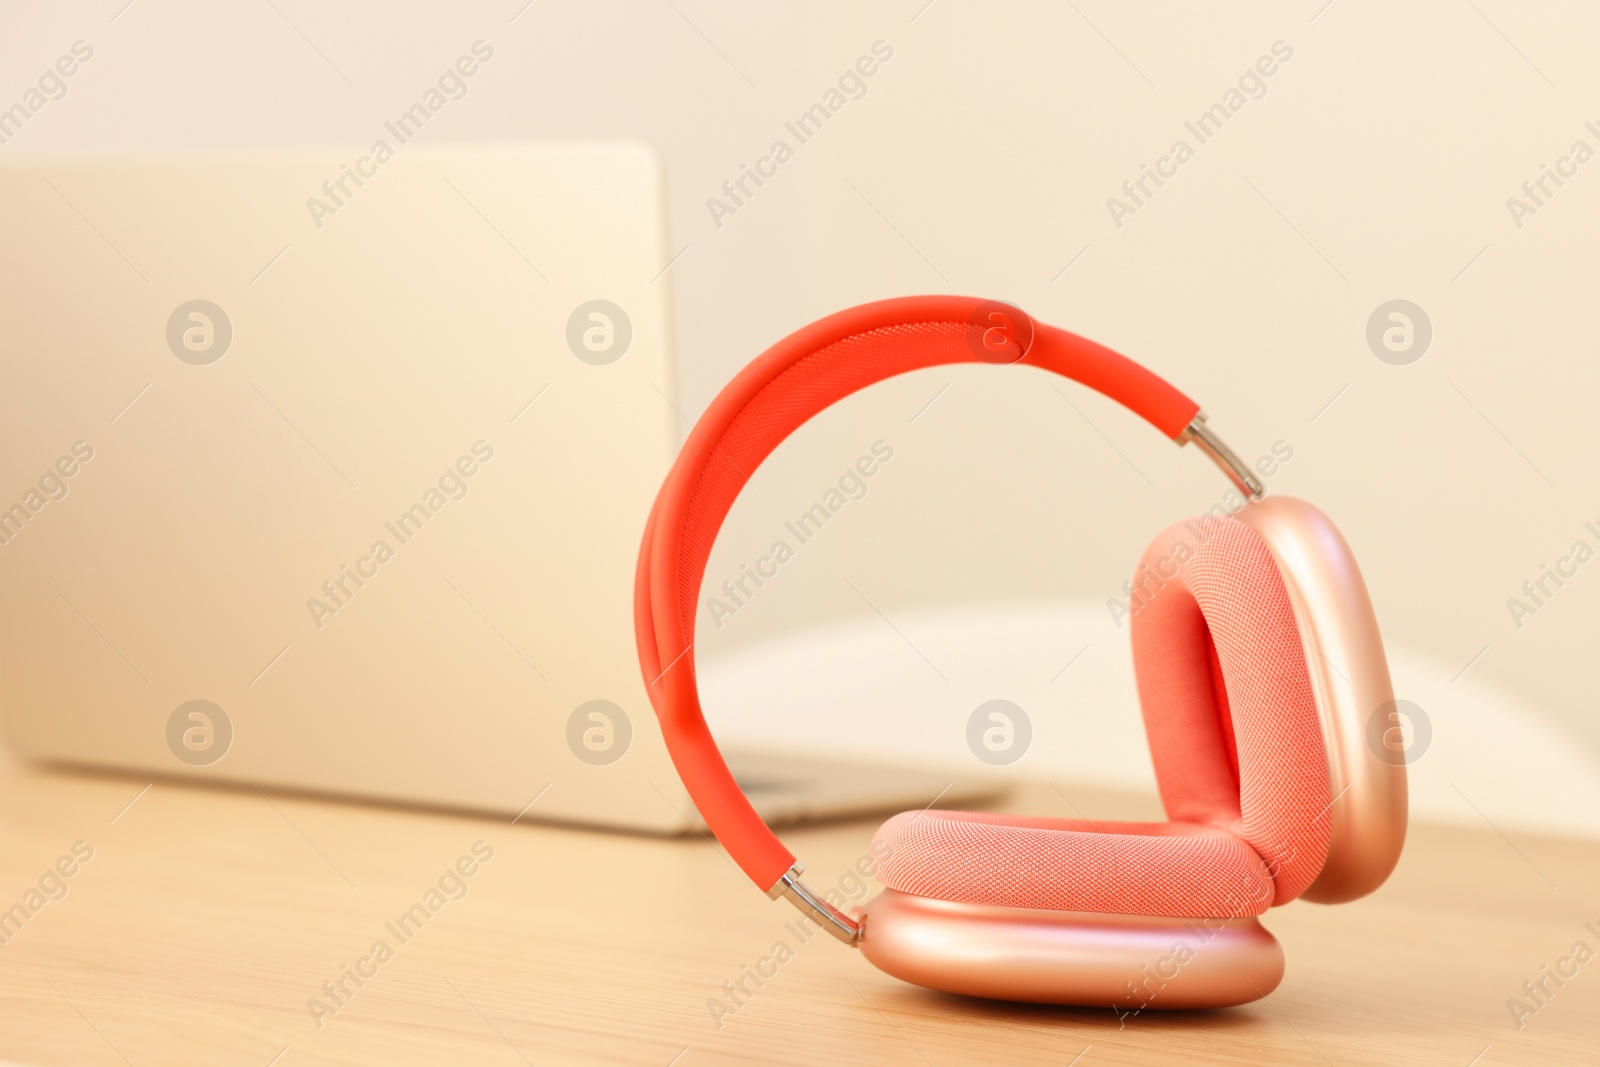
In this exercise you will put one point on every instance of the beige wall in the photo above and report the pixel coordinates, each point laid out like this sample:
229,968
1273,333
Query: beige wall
1377,165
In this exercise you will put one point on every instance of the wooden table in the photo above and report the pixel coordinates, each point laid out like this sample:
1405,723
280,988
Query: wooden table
207,919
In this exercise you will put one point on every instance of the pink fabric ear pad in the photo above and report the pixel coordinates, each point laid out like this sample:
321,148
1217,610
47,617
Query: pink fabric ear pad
1021,861
1237,747
1233,726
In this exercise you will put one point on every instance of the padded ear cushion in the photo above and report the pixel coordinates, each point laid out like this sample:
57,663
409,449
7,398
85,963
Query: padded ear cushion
1237,745
1173,869
1228,706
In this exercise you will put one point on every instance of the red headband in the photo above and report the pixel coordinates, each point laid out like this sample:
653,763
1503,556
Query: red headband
771,398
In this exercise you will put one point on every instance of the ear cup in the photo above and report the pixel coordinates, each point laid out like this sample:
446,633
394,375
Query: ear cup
1229,710
1072,864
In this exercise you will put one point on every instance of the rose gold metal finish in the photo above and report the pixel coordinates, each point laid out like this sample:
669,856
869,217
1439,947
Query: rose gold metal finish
1070,957
1350,679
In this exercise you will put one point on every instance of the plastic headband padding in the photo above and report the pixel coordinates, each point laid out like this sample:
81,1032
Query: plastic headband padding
771,398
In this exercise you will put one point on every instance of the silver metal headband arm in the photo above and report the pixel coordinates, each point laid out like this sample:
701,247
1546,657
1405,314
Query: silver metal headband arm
1223,456
813,907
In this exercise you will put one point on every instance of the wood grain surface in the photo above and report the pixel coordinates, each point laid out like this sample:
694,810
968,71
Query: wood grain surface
207,921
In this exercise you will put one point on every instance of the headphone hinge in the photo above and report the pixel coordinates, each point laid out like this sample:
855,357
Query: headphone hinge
813,907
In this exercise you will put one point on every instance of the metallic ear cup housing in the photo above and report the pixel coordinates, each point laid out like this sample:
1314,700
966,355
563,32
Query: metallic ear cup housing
1350,676
1070,957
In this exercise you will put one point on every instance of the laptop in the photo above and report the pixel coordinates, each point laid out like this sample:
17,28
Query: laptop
326,471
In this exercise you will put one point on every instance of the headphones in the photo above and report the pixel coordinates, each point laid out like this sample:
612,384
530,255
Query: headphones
1261,676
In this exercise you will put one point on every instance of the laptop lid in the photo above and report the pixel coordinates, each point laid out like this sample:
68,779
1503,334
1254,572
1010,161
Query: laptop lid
326,470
